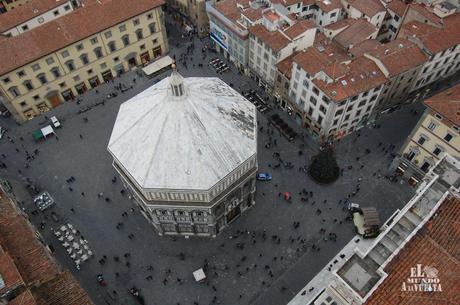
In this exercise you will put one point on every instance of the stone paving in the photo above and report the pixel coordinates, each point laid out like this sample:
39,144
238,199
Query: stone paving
276,260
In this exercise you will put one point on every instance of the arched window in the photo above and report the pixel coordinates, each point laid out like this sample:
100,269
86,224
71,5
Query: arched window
14,91
139,34
112,46
152,28
125,39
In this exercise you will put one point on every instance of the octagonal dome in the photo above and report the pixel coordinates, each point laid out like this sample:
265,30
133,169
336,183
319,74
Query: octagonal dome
184,133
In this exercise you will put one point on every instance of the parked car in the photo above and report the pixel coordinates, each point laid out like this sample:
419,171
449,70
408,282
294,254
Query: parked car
263,176
2,131
55,122
353,207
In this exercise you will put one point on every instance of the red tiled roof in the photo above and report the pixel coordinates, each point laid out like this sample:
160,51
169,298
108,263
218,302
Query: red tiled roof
308,2
368,7
25,298
398,7
31,259
26,12
318,58
434,39
229,9
447,103
299,28
285,66
291,2
275,40
360,75
364,46
56,291
399,56
27,268
9,272
436,245
328,5
253,14
83,22
425,12
339,24
358,31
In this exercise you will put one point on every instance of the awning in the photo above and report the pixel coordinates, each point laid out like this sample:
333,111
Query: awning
158,65
37,135
47,130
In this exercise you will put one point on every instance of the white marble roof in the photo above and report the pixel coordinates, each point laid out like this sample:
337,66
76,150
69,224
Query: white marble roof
188,142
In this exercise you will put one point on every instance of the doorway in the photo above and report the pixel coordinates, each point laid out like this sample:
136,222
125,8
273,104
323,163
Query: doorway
145,58
233,214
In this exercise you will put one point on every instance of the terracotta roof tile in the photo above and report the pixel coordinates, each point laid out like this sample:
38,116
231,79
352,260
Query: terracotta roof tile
339,24
433,38
62,289
25,298
329,5
253,14
368,7
447,103
318,58
291,2
364,46
436,245
9,272
285,66
399,56
61,32
358,31
31,259
360,75
275,40
308,2
299,28
229,9
398,7
27,11
425,12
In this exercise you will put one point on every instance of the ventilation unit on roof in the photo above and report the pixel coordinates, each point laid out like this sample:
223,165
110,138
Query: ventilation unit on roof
401,46
352,80
362,76
321,49
344,82
386,51
374,73
333,93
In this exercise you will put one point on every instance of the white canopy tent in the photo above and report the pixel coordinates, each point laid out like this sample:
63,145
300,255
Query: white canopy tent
158,65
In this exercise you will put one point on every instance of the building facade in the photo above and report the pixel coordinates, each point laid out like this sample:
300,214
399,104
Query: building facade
187,151
336,95
437,133
53,63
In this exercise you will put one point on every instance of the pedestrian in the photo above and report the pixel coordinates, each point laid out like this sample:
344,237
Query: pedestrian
81,137
83,194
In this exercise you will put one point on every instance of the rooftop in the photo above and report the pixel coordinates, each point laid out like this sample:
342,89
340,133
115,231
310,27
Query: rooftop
229,9
328,5
398,7
299,28
398,56
358,31
27,268
434,39
364,46
275,39
188,142
368,7
253,14
26,12
359,76
83,22
285,66
436,248
318,58
447,103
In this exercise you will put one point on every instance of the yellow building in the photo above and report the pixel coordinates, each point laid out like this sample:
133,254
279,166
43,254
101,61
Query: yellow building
436,133
52,63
